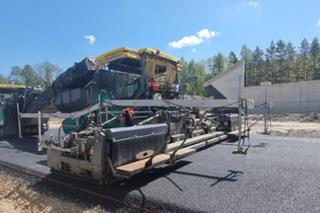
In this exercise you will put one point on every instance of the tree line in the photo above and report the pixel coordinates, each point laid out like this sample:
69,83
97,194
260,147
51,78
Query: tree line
280,62
42,74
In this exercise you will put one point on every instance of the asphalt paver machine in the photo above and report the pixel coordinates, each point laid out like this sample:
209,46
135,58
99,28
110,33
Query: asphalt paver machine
121,116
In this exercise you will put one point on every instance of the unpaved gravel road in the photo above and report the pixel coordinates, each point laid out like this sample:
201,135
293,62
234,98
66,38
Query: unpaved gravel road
292,125
289,128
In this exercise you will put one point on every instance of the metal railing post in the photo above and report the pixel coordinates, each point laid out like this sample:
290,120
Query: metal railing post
239,124
19,121
39,127
265,111
107,112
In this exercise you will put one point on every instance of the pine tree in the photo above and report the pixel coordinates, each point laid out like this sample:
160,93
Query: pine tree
270,62
304,48
315,59
218,64
201,77
184,75
232,58
258,64
246,55
304,73
209,63
281,69
290,61
191,78
271,52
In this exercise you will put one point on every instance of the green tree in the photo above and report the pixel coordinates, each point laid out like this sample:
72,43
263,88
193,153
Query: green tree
304,73
271,52
315,59
194,75
41,74
246,55
291,62
201,77
16,75
3,79
258,65
290,51
219,62
190,78
30,76
48,72
280,66
27,76
315,47
232,58
270,67
184,75
304,48
280,62
209,65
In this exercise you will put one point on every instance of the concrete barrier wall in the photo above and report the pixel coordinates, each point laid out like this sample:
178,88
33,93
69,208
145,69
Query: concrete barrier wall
297,97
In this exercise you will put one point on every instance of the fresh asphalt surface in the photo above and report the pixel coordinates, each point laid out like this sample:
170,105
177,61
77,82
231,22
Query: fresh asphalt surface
279,174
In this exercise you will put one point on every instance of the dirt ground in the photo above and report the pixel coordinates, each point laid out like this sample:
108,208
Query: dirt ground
19,194
294,125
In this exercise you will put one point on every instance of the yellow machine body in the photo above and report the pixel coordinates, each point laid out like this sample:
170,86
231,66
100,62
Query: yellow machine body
158,65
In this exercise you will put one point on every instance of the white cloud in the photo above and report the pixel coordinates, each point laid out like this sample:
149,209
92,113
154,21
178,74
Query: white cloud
318,23
253,4
206,34
186,41
91,38
194,50
193,40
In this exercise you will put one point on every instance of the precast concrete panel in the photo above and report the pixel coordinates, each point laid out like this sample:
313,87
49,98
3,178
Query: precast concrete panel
295,97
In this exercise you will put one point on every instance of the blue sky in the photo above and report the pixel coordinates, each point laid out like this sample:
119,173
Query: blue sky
65,31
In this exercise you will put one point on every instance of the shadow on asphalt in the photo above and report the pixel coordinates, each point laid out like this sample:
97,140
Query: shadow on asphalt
232,174
114,194
28,144
128,191
260,145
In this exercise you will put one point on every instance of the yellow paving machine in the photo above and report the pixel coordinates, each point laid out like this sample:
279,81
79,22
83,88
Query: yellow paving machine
122,115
